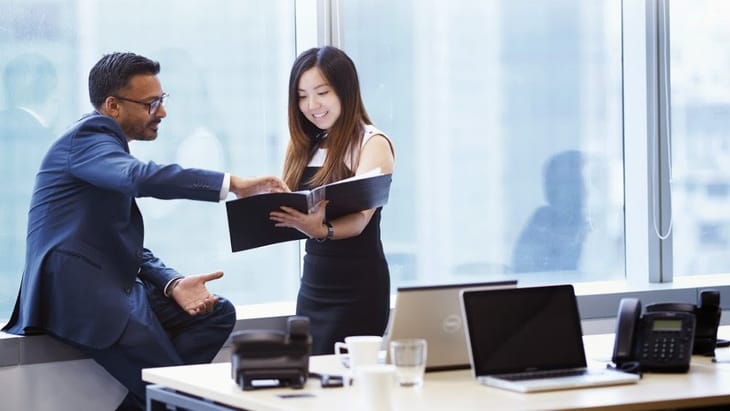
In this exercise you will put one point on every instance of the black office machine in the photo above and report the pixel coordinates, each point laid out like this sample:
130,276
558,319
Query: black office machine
272,357
664,337
707,314
652,341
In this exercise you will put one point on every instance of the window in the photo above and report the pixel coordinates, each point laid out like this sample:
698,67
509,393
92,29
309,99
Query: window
226,111
507,122
508,118
700,145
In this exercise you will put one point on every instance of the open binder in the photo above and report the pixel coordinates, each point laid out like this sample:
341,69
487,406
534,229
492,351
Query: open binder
248,218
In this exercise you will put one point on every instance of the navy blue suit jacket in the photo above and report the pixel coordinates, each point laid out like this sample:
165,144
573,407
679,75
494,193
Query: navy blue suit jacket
85,241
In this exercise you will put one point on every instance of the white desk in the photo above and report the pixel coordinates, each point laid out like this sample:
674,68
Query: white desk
707,383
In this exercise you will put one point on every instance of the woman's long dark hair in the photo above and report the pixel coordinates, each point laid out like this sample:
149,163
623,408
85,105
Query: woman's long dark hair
345,136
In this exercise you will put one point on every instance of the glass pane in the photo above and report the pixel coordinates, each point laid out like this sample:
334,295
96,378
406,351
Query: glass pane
225,64
506,118
700,109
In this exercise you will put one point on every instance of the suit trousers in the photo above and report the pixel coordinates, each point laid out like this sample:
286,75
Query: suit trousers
160,334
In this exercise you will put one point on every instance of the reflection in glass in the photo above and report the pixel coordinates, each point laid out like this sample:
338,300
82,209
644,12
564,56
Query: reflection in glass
553,238
481,94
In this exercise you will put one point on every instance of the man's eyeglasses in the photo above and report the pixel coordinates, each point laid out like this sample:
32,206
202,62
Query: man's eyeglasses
152,106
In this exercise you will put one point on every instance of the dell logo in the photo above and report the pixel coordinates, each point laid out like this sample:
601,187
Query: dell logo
452,323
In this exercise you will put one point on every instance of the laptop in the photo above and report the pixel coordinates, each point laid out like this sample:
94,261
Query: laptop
530,339
434,313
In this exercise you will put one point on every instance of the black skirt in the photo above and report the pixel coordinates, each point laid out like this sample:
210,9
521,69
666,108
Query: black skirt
343,296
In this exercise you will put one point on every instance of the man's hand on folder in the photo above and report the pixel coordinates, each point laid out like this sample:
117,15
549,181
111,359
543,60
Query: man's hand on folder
248,186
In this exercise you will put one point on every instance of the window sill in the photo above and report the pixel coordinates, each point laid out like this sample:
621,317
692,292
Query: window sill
24,350
598,302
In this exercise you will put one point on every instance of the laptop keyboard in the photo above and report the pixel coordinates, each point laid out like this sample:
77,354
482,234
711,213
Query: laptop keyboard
542,374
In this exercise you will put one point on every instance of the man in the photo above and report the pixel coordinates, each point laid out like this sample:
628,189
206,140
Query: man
88,279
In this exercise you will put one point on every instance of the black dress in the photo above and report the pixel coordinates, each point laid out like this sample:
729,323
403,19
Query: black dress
345,287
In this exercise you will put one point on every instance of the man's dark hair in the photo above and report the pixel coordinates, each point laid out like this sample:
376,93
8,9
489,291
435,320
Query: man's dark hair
113,71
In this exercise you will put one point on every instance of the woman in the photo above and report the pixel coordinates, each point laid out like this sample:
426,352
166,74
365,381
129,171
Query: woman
345,287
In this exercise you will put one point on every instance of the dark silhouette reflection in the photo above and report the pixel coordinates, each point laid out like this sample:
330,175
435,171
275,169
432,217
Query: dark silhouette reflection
554,235
29,80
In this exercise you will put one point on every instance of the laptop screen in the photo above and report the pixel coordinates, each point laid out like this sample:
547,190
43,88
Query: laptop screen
433,312
523,329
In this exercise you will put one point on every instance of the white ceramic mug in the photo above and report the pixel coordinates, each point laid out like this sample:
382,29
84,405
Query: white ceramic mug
374,384
361,350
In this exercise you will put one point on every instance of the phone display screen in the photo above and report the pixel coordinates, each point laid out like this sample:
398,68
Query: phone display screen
667,325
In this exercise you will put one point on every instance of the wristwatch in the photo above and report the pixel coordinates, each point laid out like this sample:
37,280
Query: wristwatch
330,230
330,233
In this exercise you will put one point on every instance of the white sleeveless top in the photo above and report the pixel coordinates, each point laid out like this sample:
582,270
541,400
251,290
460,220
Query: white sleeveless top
321,153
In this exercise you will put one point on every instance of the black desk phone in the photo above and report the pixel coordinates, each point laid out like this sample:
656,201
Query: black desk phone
262,356
707,315
659,341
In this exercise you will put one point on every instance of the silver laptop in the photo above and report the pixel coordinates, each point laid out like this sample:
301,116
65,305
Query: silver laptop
530,339
434,313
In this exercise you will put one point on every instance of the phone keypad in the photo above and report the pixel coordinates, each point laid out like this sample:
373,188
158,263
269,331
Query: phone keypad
664,348
665,341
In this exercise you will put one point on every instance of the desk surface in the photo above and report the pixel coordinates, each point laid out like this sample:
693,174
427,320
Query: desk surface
707,383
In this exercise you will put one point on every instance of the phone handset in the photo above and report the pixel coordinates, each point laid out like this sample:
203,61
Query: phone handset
653,341
708,320
627,322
